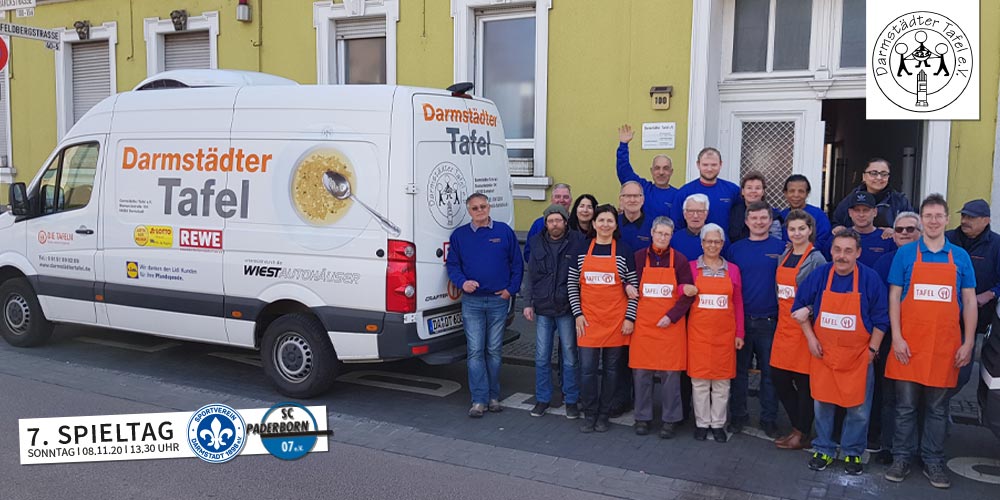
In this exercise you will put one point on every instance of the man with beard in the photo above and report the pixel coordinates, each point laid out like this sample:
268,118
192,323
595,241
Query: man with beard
659,193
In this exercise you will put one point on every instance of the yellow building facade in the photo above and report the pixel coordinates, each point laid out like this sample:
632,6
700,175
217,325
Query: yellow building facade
593,67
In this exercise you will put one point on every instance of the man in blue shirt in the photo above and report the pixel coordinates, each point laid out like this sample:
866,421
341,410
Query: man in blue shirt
720,192
484,259
688,240
561,195
797,189
659,193
874,244
823,310
757,257
927,350
635,226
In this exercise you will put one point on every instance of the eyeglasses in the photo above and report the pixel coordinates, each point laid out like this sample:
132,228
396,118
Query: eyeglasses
695,212
882,175
905,229
661,234
712,242
476,208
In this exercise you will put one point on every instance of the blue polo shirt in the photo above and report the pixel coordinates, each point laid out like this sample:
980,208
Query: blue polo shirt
873,247
902,265
721,197
657,201
824,231
687,244
874,299
637,234
758,263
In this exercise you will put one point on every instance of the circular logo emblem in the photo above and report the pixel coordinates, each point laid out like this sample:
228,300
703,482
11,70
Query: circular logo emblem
784,292
289,431
446,193
141,235
666,290
944,293
454,292
42,237
132,270
722,301
847,322
922,61
216,433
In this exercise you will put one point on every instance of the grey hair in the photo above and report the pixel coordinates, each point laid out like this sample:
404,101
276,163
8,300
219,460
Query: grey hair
626,183
669,161
562,185
662,220
697,198
708,228
909,215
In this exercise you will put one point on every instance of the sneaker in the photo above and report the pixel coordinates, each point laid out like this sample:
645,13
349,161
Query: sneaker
898,471
853,465
668,431
770,428
539,409
495,406
602,424
820,461
641,428
477,410
937,476
700,433
720,435
588,425
572,411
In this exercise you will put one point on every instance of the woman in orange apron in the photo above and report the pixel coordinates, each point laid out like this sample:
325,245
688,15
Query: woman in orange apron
790,351
715,332
602,292
659,342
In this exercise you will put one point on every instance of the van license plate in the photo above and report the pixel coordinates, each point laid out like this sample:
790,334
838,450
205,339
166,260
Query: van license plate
448,323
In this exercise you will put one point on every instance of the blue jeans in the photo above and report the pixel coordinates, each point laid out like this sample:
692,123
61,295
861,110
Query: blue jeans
484,319
545,329
758,340
597,393
904,444
854,434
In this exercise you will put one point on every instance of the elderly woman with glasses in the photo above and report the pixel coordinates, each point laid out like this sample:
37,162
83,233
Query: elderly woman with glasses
715,333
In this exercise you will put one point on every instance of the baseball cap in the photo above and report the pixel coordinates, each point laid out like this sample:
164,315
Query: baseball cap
863,198
976,208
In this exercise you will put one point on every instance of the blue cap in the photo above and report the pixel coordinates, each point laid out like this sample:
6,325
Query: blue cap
976,208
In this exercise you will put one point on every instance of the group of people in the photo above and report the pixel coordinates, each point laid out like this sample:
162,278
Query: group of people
862,329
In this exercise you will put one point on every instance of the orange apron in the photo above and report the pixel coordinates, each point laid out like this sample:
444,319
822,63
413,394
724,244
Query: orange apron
840,377
790,350
929,322
652,347
603,300
712,330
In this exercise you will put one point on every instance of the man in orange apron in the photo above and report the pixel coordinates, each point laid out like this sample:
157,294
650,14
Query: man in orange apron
850,315
927,342
659,341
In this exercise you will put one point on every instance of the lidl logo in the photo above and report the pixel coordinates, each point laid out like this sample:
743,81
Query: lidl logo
132,270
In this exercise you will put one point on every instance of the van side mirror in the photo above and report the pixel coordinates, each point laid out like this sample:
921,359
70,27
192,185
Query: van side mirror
18,197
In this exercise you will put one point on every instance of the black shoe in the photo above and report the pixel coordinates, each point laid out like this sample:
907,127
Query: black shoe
588,425
770,428
898,471
667,431
572,411
720,435
641,428
602,424
853,465
820,461
539,409
619,410
736,425
700,433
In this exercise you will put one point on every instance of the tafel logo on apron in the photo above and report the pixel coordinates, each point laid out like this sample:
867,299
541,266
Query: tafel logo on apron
652,347
707,301
840,376
933,293
790,350
657,290
842,322
592,278
786,292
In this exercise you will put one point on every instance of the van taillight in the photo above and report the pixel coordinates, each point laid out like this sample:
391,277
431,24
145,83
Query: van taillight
401,277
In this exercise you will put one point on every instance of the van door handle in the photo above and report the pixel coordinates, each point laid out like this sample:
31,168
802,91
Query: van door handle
84,230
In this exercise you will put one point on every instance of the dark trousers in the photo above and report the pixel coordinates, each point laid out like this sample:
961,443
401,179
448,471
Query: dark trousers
793,391
597,393
757,343
670,395
932,414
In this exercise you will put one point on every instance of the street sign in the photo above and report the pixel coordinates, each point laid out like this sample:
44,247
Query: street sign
16,4
4,54
20,30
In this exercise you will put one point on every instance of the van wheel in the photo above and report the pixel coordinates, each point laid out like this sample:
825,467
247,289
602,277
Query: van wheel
23,323
298,356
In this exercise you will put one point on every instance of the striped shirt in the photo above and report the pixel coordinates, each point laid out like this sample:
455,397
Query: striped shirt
625,261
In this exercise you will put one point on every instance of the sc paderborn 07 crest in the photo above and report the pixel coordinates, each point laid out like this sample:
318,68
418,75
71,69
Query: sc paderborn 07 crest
922,61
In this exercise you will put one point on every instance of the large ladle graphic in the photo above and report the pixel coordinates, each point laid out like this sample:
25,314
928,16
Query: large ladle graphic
340,188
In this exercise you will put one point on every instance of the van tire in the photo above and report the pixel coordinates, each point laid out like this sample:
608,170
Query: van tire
22,323
298,357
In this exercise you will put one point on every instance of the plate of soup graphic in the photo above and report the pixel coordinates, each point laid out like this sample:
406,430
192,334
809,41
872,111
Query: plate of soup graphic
312,202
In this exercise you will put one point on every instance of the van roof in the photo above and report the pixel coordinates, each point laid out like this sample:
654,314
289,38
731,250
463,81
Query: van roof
216,78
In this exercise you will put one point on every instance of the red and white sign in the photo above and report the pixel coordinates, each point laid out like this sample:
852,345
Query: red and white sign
932,293
842,322
709,301
658,291
54,237
786,292
4,54
210,239
592,278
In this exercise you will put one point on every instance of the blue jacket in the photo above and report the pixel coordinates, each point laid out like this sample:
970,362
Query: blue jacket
889,203
984,250
544,286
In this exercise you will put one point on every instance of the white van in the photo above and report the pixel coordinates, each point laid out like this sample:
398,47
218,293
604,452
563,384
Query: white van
201,206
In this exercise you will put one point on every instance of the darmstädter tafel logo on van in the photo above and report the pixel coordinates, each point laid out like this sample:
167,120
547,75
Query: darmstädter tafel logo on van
922,63
446,193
